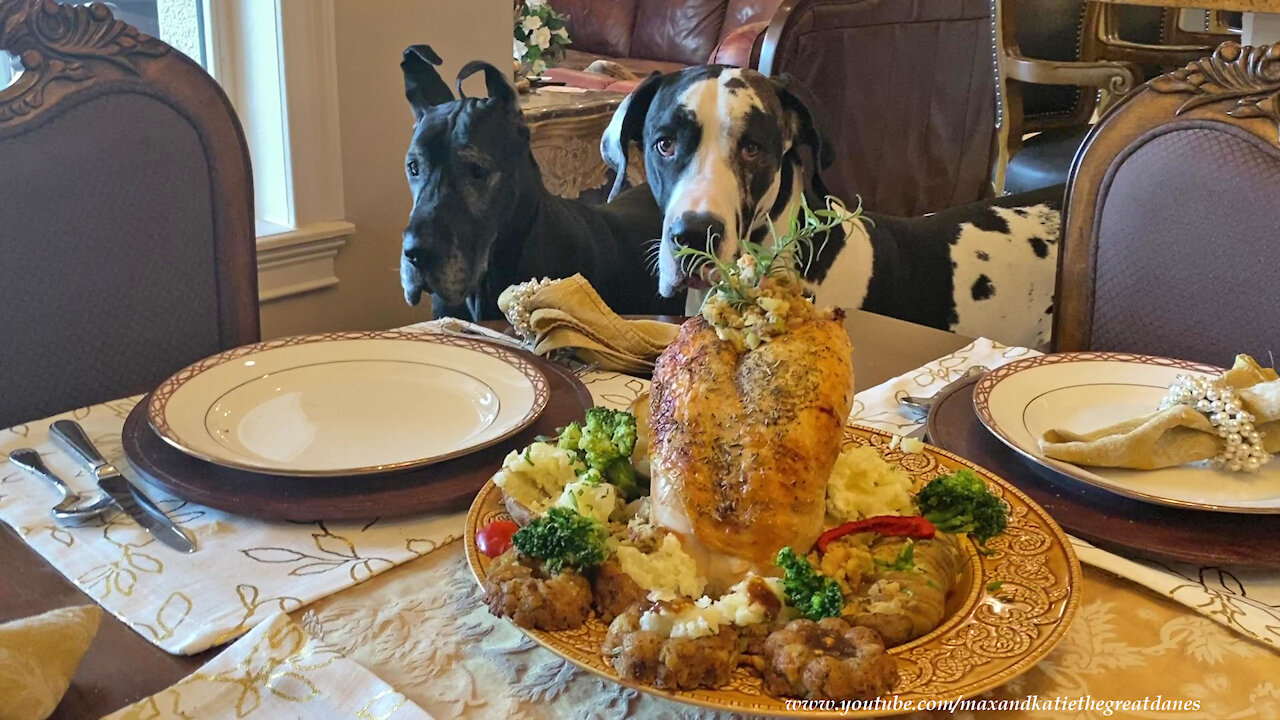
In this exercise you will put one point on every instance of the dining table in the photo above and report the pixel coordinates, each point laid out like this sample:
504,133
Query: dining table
422,627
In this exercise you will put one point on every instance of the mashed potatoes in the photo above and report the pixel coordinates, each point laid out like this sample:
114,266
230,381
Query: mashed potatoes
667,573
705,617
862,485
537,475
594,500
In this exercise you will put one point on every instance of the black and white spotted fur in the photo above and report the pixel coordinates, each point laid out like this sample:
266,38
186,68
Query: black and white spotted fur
724,152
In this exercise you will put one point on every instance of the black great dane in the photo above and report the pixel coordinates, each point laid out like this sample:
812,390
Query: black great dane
482,219
723,152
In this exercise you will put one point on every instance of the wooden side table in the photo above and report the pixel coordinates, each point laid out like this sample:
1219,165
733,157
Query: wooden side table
565,130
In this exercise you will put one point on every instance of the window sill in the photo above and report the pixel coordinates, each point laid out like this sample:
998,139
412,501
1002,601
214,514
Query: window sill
295,261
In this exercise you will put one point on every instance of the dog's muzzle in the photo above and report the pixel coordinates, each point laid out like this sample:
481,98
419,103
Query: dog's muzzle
414,262
700,231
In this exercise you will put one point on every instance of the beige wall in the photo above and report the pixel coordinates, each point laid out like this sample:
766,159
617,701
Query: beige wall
375,126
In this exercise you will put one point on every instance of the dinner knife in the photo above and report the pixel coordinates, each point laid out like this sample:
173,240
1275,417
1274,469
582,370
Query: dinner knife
72,438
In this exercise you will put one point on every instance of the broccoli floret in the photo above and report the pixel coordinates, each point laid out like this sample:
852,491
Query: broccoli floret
815,595
961,503
562,537
604,444
570,436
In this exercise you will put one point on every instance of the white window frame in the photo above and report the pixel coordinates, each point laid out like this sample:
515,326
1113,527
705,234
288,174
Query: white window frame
277,62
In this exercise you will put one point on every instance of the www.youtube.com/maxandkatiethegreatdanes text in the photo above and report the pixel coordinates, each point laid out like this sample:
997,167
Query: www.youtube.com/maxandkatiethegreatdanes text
1033,703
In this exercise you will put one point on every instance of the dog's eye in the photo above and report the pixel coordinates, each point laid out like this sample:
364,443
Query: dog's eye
750,150
413,168
665,146
478,172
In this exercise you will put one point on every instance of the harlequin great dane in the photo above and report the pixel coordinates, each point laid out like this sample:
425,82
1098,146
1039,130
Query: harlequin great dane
723,153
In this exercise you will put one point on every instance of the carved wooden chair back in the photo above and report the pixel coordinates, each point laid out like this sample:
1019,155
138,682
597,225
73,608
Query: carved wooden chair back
126,212
1144,35
1168,243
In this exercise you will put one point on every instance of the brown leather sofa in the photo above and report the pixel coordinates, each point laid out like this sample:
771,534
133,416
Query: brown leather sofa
663,35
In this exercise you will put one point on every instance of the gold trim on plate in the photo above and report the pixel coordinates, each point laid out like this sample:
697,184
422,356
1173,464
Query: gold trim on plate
156,409
982,408
992,636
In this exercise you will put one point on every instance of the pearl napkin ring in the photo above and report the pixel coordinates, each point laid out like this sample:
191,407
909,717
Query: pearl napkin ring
518,311
1218,401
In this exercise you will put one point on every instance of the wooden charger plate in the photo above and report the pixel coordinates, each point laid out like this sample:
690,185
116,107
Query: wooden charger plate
1009,608
448,485
1108,520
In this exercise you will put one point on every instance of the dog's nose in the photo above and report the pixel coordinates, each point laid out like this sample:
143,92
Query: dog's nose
697,230
417,257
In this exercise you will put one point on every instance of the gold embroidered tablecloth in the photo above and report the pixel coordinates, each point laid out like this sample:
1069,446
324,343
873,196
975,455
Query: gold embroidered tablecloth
423,629
277,670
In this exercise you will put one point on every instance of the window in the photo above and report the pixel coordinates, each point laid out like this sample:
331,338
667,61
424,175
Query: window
8,68
276,60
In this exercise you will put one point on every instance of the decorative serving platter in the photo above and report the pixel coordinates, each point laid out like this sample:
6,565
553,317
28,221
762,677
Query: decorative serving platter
348,403
1085,391
1010,607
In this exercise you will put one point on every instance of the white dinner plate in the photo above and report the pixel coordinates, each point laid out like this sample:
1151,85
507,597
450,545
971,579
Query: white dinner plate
353,403
1085,391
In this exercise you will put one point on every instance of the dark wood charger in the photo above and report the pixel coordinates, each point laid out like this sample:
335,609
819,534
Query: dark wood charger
1113,522
449,485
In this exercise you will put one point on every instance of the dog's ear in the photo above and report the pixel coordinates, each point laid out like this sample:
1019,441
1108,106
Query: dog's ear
626,127
809,127
495,82
423,86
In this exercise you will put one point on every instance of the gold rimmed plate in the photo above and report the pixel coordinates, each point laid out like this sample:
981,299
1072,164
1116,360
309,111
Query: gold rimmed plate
1010,607
348,404
1084,391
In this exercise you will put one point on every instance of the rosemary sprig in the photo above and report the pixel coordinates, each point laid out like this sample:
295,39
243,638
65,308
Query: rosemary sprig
785,256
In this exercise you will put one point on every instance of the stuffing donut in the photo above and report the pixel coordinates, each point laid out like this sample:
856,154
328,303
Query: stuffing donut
827,660
669,663
614,591
533,599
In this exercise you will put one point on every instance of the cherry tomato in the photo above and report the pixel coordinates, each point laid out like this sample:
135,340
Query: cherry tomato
495,538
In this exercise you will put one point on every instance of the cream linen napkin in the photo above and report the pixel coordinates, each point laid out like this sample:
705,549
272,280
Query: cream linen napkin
1176,435
569,313
38,657
277,671
1245,601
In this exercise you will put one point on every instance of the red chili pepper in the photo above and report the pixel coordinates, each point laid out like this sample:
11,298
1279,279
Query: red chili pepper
889,525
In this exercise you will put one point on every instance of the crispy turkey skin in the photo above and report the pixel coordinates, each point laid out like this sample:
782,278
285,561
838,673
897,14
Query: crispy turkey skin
742,444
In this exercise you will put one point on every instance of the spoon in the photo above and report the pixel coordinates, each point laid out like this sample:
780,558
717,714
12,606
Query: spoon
70,507
919,406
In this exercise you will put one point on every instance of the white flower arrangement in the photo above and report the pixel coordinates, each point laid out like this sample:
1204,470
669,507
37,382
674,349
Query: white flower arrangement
540,36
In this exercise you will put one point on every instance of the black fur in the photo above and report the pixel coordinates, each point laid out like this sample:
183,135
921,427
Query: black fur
482,219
